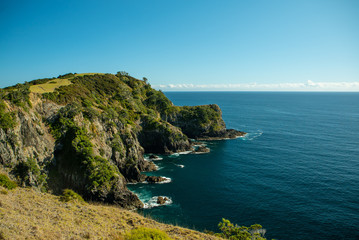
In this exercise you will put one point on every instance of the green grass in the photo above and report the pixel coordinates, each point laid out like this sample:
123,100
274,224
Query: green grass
6,182
69,195
143,233
50,86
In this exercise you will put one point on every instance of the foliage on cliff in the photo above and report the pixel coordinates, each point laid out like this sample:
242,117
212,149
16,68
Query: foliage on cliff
102,125
7,119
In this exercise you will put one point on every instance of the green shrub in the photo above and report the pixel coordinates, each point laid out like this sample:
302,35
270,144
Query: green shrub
7,119
20,96
235,232
29,173
3,191
69,195
6,182
143,233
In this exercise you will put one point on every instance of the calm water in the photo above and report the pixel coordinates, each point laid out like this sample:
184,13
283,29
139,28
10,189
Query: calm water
296,173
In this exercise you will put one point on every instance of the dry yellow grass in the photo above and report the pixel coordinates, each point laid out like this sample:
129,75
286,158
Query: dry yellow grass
50,86
83,74
27,214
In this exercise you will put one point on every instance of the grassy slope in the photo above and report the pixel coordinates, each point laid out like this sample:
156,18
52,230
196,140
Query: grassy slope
50,86
27,214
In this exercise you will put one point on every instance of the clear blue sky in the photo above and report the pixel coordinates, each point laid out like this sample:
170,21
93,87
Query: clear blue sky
190,44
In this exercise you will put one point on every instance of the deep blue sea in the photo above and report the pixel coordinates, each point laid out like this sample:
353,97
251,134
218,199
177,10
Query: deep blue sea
296,172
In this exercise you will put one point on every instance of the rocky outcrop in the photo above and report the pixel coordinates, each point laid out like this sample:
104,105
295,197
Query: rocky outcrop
227,134
91,136
161,200
202,123
29,139
154,157
155,179
201,149
158,136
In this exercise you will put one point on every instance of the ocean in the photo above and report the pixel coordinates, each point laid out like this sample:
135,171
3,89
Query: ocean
296,172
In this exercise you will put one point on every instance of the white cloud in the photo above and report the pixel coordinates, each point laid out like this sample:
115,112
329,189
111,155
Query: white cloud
307,86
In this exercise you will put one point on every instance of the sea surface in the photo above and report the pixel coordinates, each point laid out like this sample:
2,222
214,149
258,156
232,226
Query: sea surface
296,172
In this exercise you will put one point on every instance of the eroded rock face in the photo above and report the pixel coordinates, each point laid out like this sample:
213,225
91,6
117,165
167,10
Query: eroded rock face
199,121
29,139
91,136
163,138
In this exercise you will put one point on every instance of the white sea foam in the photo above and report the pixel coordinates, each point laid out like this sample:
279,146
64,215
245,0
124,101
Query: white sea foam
153,202
147,157
180,165
200,145
180,153
174,155
185,152
158,168
168,180
252,136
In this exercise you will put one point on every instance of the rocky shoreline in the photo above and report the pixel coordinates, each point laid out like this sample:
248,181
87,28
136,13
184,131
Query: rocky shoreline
197,148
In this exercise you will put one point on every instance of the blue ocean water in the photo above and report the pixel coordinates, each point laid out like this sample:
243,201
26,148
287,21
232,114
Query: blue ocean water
296,172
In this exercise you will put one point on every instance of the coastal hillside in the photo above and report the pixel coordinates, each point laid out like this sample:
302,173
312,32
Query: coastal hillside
89,133
28,214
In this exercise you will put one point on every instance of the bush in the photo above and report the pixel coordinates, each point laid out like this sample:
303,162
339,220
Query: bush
29,173
6,182
7,120
235,232
69,195
20,95
143,233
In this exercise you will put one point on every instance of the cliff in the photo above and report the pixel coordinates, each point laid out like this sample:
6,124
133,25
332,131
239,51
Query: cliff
89,132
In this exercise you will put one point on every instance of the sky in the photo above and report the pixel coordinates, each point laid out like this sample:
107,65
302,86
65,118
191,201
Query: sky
186,45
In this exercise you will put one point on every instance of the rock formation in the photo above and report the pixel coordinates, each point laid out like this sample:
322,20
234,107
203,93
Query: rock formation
91,136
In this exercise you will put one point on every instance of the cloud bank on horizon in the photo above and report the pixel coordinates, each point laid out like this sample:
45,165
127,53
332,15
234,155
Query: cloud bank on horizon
306,86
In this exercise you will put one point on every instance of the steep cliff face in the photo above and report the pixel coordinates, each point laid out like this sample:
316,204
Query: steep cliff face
158,136
91,135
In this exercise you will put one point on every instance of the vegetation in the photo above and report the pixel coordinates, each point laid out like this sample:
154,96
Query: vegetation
69,195
6,182
7,119
143,233
235,232
49,86
19,95
77,154
28,173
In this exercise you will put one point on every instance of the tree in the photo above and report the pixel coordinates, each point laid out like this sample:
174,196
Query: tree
235,232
